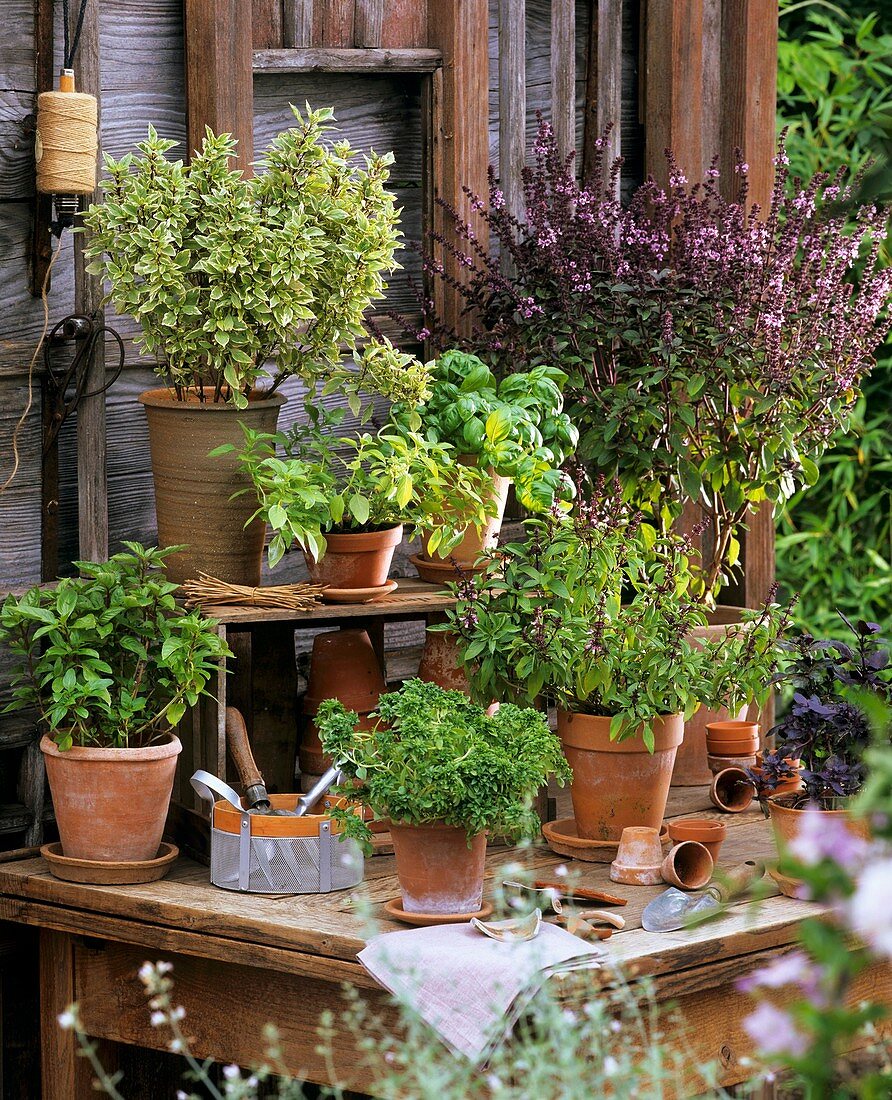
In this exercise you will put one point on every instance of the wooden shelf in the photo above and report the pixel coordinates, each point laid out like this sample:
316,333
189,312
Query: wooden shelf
413,599
322,60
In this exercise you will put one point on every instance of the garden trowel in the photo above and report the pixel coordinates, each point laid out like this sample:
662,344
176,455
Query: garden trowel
675,909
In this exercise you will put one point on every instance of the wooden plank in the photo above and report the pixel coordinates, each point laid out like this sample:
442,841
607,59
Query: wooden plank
563,74
673,51
63,1073
341,60
266,24
298,19
92,477
368,23
460,31
219,80
405,23
512,105
42,205
337,22
604,92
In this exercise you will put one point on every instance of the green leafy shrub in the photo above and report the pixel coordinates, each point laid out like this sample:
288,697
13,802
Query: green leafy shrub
324,484
226,273
516,427
435,756
110,659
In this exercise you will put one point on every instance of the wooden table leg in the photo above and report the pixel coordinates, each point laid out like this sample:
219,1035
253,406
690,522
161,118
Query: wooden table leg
64,1073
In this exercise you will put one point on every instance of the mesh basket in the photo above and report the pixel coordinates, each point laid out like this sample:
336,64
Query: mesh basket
284,865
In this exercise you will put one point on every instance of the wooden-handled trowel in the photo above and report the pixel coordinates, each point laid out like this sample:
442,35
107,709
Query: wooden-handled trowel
675,909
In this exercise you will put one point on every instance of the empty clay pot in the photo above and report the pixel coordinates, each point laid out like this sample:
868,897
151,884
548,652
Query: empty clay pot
638,857
439,662
732,791
722,732
438,872
617,783
720,763
706,832
111,804
360,560
688,866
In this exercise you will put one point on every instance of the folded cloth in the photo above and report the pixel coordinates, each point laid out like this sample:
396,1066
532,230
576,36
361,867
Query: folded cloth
471,989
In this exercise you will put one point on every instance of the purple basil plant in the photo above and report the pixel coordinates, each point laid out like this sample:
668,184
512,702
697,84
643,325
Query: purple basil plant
712,348
826,728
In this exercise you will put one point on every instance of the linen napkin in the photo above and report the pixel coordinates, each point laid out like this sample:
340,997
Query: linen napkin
471,989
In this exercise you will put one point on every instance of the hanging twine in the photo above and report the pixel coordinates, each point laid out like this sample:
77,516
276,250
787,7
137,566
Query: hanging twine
66,144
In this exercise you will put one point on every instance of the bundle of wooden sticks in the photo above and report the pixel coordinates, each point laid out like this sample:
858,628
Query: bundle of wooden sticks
207,591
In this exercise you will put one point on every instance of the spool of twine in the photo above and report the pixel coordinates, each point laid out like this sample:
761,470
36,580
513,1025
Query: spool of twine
66,144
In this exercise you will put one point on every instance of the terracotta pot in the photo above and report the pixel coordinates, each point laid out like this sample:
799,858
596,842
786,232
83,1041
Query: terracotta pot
744,747
688,866
638,857
194,493
437,871
710,834
111,804
439,663
786,821
723,733
732,791
360,560
720,763
786,786
343,665
617,783
475,542
691,769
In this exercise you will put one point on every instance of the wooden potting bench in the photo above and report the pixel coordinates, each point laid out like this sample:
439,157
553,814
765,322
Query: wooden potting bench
242,961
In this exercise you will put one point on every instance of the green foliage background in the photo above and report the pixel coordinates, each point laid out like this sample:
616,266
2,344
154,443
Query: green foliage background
834,543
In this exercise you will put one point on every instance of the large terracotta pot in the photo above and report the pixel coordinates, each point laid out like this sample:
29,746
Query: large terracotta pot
194,493
356,560
617,784
343,665
111,804
439,662
437,871
475,541
786,821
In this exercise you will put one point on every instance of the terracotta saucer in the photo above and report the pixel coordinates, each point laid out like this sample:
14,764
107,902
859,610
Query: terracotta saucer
562,838
394,908
440,572
99,873
789,887
358,595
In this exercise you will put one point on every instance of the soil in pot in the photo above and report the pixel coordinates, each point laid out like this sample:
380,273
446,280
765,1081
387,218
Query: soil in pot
111,804
194,499
437,871
359,559
617,784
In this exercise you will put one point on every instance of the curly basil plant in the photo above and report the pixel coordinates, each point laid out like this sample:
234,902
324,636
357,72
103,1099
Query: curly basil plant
433,755
109,659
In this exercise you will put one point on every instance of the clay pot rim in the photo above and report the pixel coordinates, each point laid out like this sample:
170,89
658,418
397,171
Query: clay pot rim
164,749
431,826
354,542
732,748
669,867
163,398
593,733
732,730
715,830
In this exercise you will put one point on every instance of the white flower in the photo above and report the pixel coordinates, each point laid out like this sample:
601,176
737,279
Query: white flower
67,1019
232,1073
157,1019
610,1065
146,972
175,1045
870,907
560,871
178,1013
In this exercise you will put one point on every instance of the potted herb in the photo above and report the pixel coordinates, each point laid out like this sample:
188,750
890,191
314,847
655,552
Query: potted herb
593,613
239,283
446,775
515,429
110,662
712,350
344,500
823,737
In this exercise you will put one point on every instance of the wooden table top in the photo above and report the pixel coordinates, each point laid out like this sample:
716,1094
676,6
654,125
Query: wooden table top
321,934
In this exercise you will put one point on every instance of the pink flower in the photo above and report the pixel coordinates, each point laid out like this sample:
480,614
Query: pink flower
774,1032
823,836
795,969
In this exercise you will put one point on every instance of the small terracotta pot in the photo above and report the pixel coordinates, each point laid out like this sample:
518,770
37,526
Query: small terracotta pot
786,786
719,763
437,871
111,804
688,866
356,560
638,857
475,542
786,821
732,791
744,747
617,783
439,663
709,833
194,494
720,733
